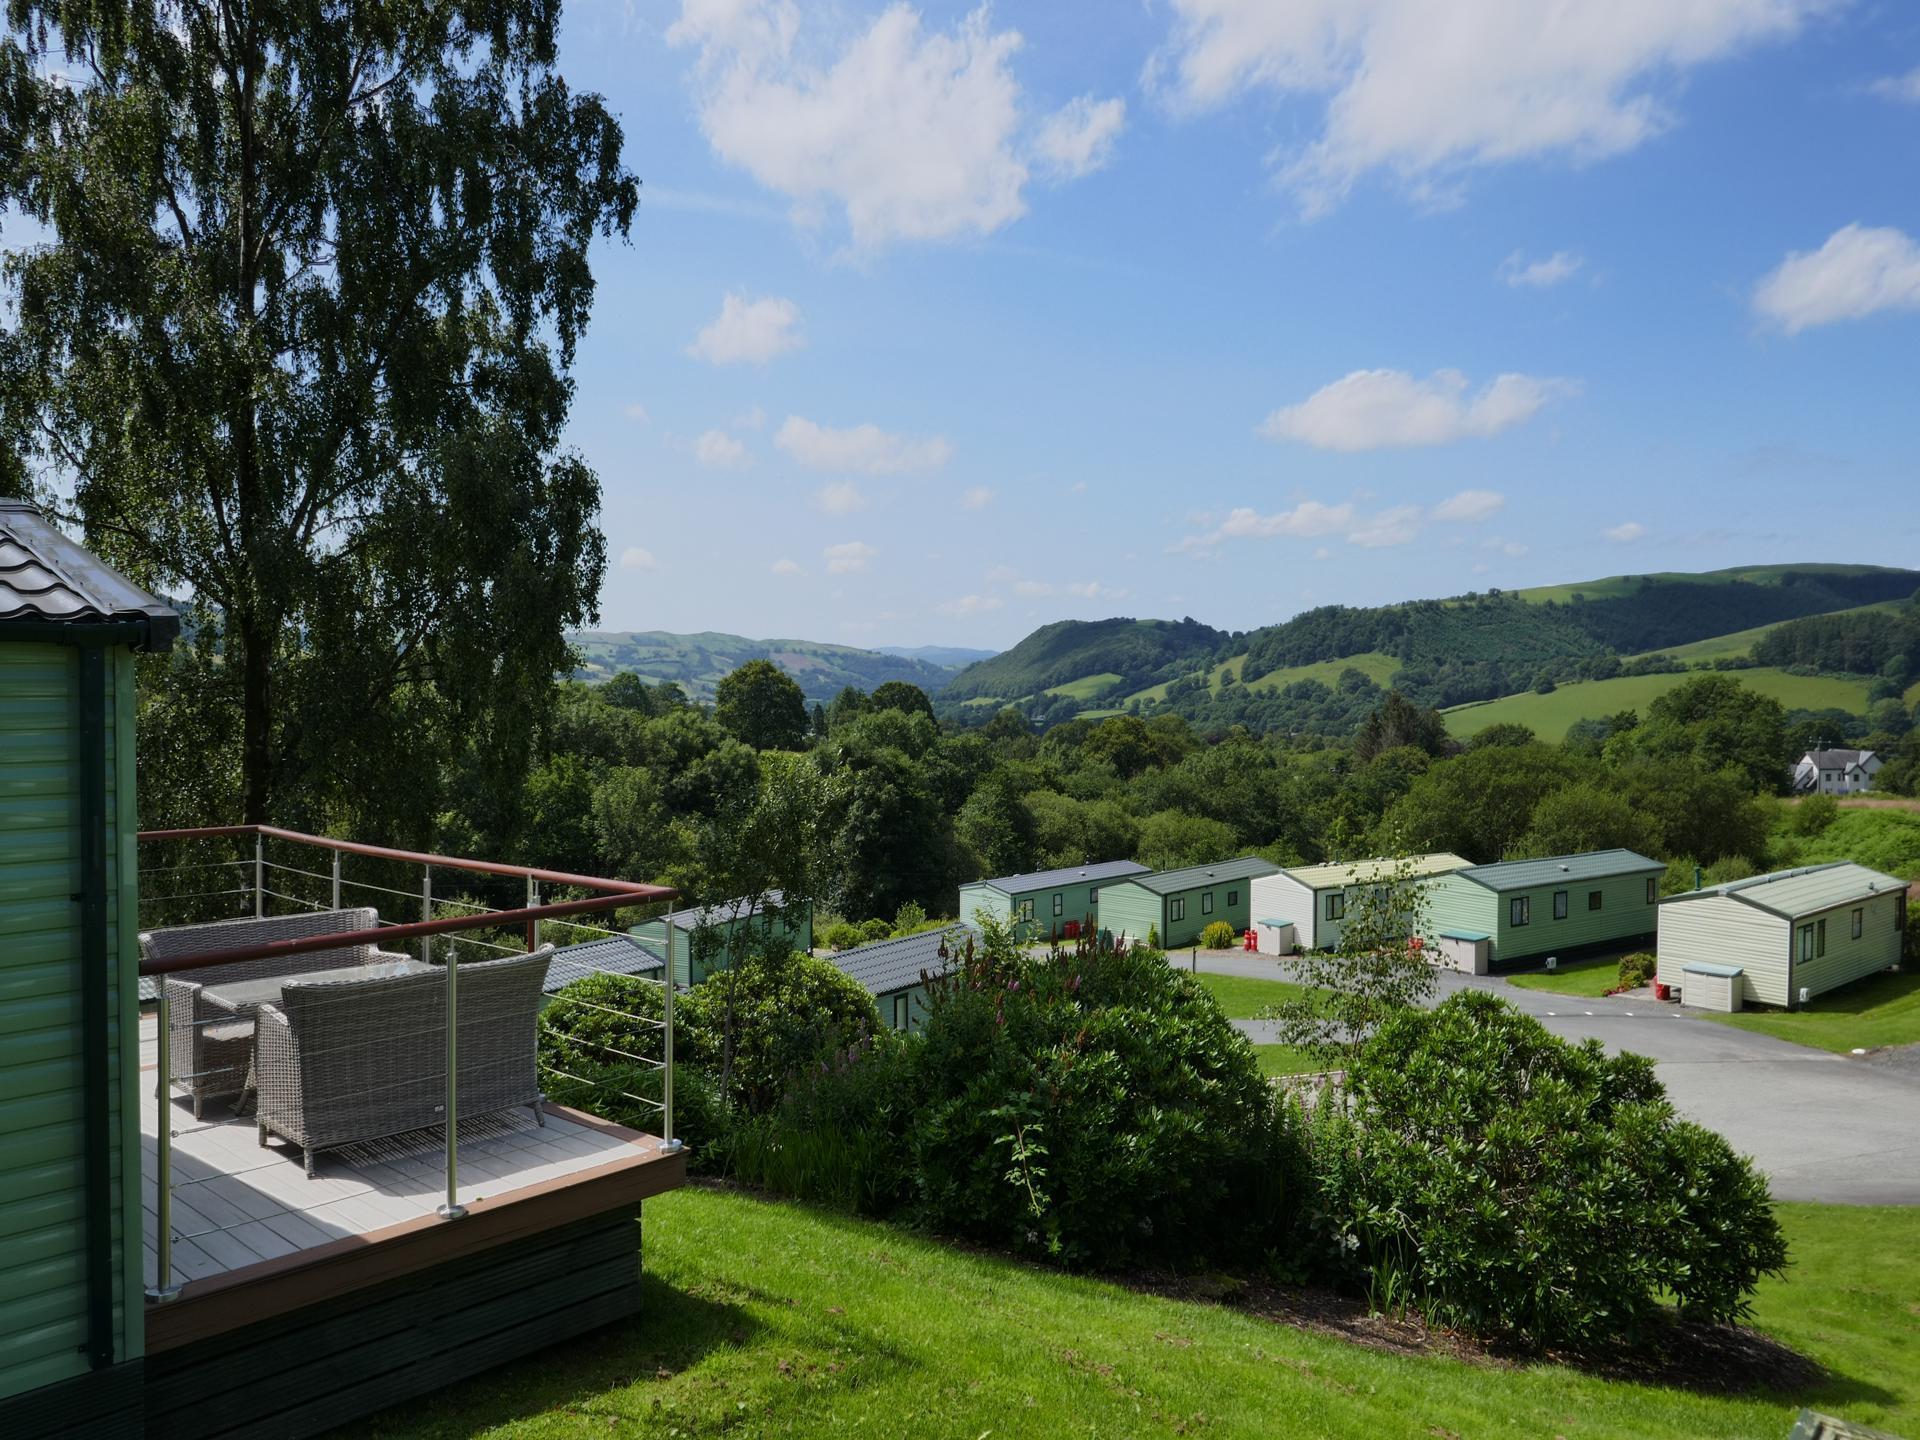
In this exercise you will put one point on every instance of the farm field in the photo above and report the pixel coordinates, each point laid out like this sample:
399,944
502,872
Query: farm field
768,1318
1613,585
1376,666
1087,687
1548,716
1740,642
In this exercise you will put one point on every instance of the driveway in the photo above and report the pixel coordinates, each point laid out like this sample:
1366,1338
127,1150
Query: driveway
1820,1126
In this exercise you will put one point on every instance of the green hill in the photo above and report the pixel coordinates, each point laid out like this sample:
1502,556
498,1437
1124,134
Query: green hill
1548,716
1136,652
696,662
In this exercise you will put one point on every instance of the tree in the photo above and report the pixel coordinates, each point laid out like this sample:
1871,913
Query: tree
627,691
1399,722
762,706
997,828
900,695
307,358
1171,840
1380,968
1587,815
1719,724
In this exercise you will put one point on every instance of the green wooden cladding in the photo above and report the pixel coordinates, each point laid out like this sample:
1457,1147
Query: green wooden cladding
1134,907
1627,911
43,1269
1052,908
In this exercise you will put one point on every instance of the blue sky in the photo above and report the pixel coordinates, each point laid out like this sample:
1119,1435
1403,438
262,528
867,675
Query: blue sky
938,323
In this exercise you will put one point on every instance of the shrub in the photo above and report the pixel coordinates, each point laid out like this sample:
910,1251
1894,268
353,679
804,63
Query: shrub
1092,1104
1153,937
910,918
841,935
1512,1184
1219,936
872,930
1637,969
1814,814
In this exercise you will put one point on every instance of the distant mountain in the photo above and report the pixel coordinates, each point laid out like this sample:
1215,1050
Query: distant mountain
952,657
696,662
1320,670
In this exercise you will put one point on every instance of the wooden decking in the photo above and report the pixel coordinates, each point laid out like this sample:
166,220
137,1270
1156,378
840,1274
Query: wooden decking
237,1206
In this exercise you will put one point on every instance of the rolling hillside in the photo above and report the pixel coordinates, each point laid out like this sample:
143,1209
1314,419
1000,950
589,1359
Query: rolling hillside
696,662
1550,715
1321,668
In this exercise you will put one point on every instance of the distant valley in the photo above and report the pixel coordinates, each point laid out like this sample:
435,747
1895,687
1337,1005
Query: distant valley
696,662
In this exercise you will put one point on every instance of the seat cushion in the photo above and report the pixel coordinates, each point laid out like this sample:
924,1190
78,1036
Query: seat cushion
227,1031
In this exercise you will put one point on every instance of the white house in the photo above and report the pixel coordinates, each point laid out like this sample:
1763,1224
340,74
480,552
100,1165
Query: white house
1835,772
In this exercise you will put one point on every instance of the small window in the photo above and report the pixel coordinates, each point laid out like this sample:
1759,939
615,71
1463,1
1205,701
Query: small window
1026,909
1859,923
1559,904
1233,898
1336,906
1206,902
1059,904
899,1012
1820,937
1519,910
1806,942
1653,891
1177,908
1593,899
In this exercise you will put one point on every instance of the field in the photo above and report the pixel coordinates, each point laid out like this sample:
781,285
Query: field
1880,1010
768,1318
1087,687
1581,977
1612,585
1740,642
1374,665
1548,716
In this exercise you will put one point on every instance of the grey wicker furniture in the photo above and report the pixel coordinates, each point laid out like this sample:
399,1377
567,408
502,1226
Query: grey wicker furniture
341,1062
208,1048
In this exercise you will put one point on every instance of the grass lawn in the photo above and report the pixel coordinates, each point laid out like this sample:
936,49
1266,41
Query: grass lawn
1285,1060
1242,998
1549,715
1880,1010
768,1318
1581,977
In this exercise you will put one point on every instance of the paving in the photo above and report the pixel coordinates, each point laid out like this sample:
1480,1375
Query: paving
1821,1126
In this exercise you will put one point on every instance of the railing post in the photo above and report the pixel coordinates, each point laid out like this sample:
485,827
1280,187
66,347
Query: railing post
336,879
667,1140
259,876
426,941
163,1287
533,926
453,1209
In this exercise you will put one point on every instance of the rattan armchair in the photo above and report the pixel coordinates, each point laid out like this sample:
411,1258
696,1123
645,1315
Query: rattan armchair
340,1062
207,1048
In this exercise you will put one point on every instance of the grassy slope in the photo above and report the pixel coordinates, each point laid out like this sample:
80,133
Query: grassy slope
1740,642
1885,840
1611,585
1088,687
1880,1010
766,1318
1375,666
1550,715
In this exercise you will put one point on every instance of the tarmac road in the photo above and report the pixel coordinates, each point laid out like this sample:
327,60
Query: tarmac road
1821,1126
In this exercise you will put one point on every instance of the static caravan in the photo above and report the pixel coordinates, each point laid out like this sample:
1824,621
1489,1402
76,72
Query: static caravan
1177,905
72,1338
1313,898
1529,909
896,972
706,937
1783,938
1042,904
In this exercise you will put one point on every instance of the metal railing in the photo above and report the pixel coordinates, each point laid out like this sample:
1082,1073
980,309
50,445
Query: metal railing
181,899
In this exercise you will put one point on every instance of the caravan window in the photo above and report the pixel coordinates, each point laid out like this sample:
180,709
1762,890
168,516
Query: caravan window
1519,910
1206,902
1336,906
1559,904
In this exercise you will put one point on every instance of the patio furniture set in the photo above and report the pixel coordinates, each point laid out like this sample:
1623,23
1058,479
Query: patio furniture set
345,1044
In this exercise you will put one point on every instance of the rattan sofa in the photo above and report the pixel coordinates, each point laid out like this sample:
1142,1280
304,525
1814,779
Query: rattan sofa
208,1048
341,1062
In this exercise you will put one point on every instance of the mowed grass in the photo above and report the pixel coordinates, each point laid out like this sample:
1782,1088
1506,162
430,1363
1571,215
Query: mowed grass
766,1318
1278,1060
1879,1010
1087,687
1242,997
1376,666
1578,977
1548,716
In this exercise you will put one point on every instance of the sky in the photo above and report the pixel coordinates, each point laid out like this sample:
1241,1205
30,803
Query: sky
940,323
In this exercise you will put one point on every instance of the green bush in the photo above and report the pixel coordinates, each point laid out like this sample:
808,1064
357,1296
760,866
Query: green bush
841,935
1153,937
1511,1184
1219,936
872,930
1094,1105
1637,969
1814,814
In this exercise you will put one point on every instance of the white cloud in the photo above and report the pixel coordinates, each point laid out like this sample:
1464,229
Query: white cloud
842,497
912,133
863,448
1094,590
718,450
636,558
1899,87
786,567
978,497
1032,589
750,332
1517,270
1512,549
1308,518
1396,526
1426,91
970,605
754,419
1077,139
636,412
848,558
1470,505
1321,552
1621,534
1001,574
1377,409
1858,271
